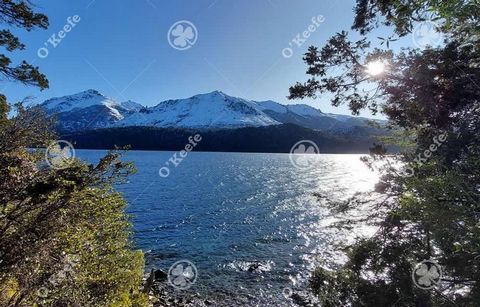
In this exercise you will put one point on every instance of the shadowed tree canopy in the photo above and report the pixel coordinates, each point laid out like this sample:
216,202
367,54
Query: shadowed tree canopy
428,94
64,235
16,13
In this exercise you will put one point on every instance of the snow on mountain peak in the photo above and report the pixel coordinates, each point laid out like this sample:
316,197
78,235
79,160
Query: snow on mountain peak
89,99
272,106
131,106
211,95
214,110
304,110
77,101
91,92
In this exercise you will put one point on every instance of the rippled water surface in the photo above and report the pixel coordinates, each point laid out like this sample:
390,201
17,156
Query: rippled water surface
227,211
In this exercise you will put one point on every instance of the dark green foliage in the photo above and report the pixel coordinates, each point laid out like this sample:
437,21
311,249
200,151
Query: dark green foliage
18,13
402,14
430,94
64,236
279,139
51,218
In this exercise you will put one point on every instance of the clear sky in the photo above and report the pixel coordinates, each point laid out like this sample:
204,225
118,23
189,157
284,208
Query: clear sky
120,48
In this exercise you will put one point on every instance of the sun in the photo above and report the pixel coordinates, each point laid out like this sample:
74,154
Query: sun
376,68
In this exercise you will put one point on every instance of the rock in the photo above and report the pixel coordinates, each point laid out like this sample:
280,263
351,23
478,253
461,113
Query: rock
253,267
302,300
160,275
149,283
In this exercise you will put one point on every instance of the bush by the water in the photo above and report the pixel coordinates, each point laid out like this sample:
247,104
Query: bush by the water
64,236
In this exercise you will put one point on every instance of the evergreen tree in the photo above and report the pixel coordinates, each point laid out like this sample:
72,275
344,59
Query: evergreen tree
64,236
433,205
20,14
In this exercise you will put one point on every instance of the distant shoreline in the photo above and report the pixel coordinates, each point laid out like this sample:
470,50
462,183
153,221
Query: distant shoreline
219,152
272,139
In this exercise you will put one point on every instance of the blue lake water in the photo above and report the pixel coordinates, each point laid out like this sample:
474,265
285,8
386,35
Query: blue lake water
226,211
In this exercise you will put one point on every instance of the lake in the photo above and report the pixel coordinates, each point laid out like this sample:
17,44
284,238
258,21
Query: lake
250,223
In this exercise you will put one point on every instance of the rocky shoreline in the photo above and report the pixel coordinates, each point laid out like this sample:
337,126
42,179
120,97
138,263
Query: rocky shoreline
156,286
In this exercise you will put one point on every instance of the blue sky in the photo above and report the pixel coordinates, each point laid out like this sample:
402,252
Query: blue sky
120,48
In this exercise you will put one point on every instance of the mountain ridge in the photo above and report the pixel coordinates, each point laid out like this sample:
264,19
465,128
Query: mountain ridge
89,110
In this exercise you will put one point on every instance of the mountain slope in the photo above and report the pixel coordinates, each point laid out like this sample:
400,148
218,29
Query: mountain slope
88,110
91,110
309,117
212,110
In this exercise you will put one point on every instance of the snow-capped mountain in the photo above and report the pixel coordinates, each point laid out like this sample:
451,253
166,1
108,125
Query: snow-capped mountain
310,117
131,106
300,114
212,110
298,109
88,99
90,110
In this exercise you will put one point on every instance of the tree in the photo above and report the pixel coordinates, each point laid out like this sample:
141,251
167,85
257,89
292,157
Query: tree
20,14
64,236
432,207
